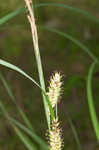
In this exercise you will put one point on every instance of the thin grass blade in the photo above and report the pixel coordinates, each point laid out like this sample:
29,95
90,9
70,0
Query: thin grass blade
17,69
16,123
70,8
24,117
75,134
27,142
22,136
7,88
27,122
77,42
90,101
22,10
50,107
11,15
32,135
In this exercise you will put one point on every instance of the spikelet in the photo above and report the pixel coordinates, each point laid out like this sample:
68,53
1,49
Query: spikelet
55,138
54,90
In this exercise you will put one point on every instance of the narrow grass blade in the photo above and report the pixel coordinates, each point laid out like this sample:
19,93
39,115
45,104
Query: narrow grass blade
3,109
73,9
50,107
77,42
76,10
27,122
24,117
22,136
75,134
17,69
90,101
32,135
36,138
24,139
7,88
11,15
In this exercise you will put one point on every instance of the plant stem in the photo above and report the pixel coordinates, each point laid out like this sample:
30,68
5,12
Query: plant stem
31,19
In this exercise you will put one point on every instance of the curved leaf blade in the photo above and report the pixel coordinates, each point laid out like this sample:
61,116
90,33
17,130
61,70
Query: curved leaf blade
77,139
27,122
77,42
32,135
22,10
22,136
24,117
74,9
11,15
17,69
24,139
16,123
90,101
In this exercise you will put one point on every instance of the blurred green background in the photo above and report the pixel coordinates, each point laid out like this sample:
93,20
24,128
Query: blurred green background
58,54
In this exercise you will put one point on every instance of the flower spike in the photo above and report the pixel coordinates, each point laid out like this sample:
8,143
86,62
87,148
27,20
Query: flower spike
54,92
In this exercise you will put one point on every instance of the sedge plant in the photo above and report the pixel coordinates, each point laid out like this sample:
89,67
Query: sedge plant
52,94
55,139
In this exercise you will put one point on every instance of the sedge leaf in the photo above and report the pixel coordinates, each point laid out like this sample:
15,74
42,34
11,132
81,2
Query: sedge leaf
90,101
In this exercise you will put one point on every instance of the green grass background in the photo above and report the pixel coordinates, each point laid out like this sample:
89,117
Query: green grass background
57,53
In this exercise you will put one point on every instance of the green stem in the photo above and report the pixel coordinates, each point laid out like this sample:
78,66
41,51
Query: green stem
40,71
